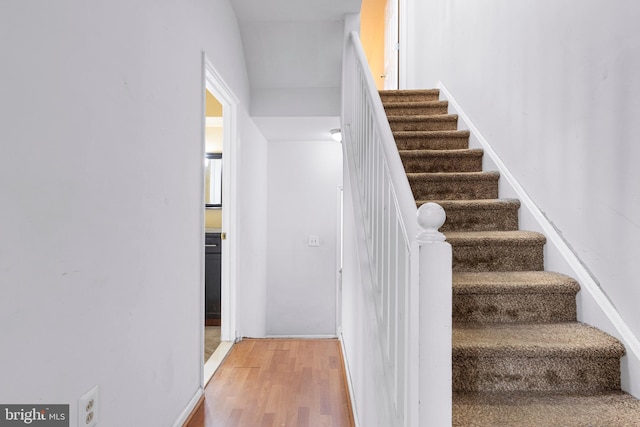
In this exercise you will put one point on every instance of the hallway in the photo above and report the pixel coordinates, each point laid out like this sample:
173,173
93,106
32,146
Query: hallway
280,382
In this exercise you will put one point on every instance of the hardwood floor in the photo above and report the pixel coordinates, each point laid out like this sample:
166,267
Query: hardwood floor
196,419
280,382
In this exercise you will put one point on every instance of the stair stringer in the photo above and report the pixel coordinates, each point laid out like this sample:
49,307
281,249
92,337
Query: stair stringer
594,307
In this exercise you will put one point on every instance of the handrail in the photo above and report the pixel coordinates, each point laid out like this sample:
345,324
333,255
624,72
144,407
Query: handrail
408,283
406,201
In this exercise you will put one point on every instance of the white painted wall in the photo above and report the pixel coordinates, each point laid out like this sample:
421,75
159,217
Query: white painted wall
303,180
252,227
100,186
554,88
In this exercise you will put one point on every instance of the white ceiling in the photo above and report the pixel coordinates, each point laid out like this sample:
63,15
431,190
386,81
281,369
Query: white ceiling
297,128
293,10
293,52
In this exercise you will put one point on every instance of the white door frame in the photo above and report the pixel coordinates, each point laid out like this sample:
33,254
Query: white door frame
391,44
403,36
401,28
214,84
339,258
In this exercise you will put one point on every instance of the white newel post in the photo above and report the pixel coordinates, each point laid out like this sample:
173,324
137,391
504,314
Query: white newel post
435,318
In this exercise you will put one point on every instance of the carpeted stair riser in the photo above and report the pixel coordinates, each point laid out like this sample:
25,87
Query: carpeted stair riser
541,373
513,297
411,95
479,215
423,123
449,186
512,308
497,251
555,357
418,108
433,161
606,409
432,140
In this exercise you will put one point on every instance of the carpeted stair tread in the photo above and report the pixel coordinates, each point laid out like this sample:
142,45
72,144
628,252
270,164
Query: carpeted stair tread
465,160
475,152
422,108
423,122
604,409
430,133
479,214
568,339
474,204
409,95
415,105
508,238
466,176
510,282
432,140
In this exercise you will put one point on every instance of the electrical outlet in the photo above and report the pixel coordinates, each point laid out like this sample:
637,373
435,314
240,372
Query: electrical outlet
88,409
314,241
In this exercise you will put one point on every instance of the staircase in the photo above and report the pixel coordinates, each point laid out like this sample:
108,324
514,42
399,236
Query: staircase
520,357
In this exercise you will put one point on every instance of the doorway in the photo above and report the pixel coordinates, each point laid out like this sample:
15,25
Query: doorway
219,167
380,33
214,146
391,44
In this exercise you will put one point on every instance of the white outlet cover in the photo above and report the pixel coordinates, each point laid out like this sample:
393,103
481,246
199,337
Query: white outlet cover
89,408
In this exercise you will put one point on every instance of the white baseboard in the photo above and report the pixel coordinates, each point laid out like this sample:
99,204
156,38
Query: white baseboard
562,256
210,368
347,374
184,415
302,337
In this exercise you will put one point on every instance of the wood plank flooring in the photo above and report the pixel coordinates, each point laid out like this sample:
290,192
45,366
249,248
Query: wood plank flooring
280,382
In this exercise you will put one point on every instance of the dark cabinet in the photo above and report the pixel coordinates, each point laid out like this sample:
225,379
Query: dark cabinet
212,278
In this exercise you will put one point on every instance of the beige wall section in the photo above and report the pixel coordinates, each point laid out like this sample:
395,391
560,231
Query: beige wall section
213,218
212,106
372,35
213,144
213,130
213,139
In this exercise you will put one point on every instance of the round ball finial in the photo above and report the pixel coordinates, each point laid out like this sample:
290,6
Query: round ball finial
431,217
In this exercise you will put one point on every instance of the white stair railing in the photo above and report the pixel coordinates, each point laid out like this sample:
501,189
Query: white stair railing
409,261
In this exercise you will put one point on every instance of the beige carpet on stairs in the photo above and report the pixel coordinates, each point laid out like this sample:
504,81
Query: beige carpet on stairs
520,357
